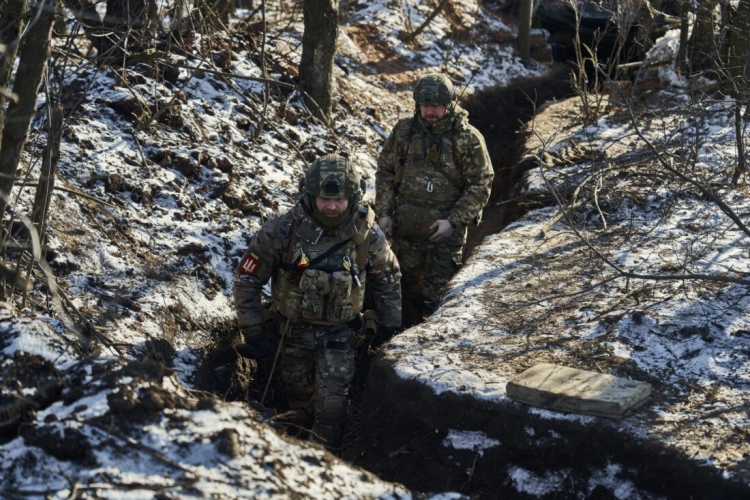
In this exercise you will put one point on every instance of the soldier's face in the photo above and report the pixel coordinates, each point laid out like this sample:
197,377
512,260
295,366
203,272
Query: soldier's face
432,114
331,207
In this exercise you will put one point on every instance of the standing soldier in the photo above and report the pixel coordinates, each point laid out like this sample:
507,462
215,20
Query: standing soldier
434,178
319,256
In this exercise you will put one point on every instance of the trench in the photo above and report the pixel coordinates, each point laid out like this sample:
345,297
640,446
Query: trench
396,427
399,426
499,114
408,448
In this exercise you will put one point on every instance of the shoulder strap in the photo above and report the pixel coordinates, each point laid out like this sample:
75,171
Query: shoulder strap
399,173
286,264
290,266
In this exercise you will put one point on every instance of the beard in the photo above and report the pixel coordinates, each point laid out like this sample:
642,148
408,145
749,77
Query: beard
332,221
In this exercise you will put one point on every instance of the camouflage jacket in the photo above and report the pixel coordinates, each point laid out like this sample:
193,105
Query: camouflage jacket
444,167
308,288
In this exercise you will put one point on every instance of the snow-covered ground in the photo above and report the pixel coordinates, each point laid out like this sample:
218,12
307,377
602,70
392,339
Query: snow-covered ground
644,276
150,258
162,180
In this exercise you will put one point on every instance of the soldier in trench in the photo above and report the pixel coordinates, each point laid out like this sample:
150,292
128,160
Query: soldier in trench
319,257
434,178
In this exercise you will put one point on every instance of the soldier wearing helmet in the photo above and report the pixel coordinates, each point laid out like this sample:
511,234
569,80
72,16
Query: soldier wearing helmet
434,178
319,257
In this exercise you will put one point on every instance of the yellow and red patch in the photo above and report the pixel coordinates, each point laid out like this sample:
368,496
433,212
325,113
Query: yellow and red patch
249,264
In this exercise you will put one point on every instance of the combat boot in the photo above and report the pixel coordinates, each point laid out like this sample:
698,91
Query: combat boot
329,435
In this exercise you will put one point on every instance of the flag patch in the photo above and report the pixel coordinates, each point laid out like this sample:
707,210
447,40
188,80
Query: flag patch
249,263
477,145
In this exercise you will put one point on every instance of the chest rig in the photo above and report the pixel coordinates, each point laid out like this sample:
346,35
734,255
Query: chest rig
428,174
322,276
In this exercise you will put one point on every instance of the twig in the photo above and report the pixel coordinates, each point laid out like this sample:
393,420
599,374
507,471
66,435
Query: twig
427,21
74,192
237,77
276,358
269,123
596,200
623,272
706,191
574,200
259,128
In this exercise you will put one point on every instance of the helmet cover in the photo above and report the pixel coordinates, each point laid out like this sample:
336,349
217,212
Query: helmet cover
434,89
332,176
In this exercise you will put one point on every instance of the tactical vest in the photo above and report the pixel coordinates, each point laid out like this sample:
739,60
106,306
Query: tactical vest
428,179
428,174
322,279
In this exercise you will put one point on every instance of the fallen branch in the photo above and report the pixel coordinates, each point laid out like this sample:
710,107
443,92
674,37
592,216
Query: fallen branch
74,192
237,77
427,21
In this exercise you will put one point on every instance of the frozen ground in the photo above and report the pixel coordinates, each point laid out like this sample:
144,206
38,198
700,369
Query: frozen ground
166,175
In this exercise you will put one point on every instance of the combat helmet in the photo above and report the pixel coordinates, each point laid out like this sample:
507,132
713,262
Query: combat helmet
333,176
434,89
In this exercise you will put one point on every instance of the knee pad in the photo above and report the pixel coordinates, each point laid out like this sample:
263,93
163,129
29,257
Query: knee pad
332,411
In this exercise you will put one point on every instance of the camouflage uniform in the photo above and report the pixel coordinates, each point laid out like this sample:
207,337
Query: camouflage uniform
428,172
321,297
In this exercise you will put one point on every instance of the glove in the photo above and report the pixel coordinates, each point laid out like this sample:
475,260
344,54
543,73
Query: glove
386,225
385,333
256,346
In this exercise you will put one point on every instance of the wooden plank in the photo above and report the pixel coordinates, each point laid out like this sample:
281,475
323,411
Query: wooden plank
566,389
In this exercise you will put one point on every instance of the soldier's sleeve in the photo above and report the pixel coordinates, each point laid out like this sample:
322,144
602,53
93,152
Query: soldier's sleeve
256,267
476,168
384,279
385,187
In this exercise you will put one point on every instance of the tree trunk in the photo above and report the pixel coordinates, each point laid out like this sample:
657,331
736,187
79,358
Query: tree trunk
11,24
318,51
682,51
737,51
524,28
49,168
702,47
738,72
33,59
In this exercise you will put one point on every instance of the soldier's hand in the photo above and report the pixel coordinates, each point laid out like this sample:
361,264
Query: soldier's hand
443,230
386,225
256,347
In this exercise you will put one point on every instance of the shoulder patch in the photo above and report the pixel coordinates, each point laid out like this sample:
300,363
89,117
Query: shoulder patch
477,145
249,264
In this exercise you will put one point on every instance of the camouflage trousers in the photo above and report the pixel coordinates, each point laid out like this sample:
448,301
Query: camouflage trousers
426,268
317,367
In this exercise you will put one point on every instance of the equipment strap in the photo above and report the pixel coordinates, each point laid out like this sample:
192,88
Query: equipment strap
320,258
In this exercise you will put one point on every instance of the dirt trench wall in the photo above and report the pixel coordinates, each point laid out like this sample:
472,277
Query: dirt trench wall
498,114
405,424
